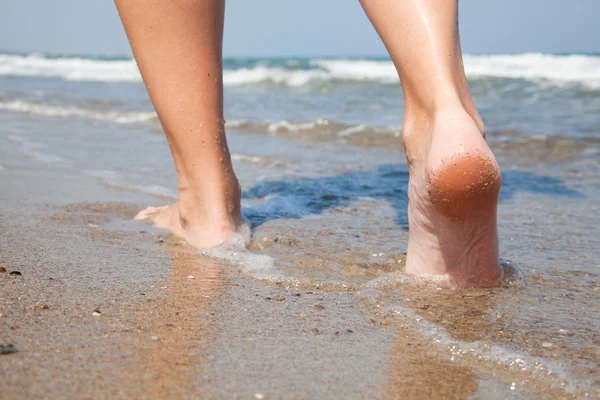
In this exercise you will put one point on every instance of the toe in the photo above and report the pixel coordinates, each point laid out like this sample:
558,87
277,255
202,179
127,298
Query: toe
149,213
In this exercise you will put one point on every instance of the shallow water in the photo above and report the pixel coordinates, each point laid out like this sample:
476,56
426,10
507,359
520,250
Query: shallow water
324,183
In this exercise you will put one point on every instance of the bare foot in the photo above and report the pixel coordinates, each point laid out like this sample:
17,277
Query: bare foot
199,226
453,195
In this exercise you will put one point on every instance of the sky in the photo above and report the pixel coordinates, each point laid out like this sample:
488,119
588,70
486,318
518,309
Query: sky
256,28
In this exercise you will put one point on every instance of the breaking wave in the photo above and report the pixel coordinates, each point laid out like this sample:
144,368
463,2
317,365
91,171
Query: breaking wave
70,111
556,69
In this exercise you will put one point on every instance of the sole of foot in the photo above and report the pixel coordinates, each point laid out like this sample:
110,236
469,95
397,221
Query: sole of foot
453,196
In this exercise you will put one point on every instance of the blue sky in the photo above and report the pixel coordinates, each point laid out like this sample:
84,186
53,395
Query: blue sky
306,27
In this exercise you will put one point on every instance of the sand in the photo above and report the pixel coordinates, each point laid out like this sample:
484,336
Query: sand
106,307
171,324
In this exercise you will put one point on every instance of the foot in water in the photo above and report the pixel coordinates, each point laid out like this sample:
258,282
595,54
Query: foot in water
199,226
453,195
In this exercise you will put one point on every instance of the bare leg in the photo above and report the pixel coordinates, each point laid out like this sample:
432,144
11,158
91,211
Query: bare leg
454,177
177,45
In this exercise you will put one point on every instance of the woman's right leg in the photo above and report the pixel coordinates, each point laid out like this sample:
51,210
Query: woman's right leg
454,178
178,48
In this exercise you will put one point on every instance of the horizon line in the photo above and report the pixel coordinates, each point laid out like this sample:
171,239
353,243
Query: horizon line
288,56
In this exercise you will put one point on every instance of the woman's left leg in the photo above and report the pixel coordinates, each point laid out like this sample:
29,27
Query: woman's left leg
178,48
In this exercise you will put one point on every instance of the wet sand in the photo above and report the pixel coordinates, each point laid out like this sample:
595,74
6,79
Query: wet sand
105,307
160,332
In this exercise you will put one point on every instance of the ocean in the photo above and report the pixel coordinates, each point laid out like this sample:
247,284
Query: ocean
316,144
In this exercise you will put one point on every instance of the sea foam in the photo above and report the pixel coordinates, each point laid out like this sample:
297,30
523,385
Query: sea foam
257,266
557,69
70,111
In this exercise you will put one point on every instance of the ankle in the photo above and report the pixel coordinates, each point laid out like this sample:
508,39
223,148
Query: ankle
217,204
417,116
419,124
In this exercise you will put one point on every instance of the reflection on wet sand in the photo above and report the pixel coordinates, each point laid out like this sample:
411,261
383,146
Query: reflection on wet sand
416,371
169,349
421,370
467,315
491,332
524,320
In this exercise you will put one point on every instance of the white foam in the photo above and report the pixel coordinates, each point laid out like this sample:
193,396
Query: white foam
246,158
235,123
290,126
352,130
74,69
260,74
583,69
359,70
554,69
257,266
511,277
68,111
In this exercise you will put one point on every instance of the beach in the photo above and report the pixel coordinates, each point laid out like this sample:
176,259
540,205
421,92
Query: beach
318,307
